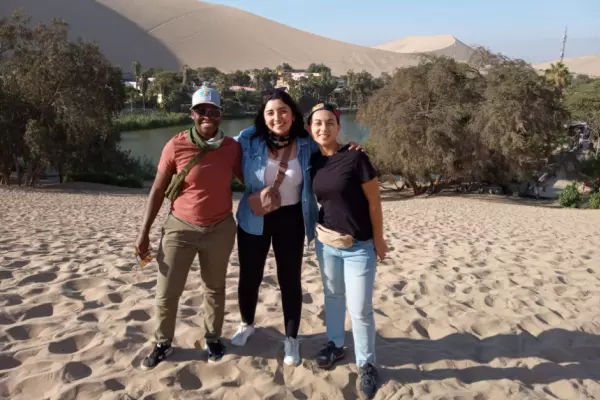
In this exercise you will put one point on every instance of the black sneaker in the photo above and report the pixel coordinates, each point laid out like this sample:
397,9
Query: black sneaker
368,381
215,351
159,353
328,355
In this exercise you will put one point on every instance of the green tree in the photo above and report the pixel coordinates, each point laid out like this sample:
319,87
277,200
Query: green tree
318,68
207,74
519,121
223,82
136,66
419,123
239,78
583,103
558,74
285,67
447,118
67,90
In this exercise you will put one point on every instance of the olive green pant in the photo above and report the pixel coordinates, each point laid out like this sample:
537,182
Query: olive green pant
179,244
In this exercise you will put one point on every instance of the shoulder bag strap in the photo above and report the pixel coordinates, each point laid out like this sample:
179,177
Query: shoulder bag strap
193,162
283,165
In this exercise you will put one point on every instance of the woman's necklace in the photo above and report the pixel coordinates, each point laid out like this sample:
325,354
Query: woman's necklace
279,142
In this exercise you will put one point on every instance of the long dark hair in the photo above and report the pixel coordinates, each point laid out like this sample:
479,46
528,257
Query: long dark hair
262,131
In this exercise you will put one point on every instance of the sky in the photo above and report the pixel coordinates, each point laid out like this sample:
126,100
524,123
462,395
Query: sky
527,29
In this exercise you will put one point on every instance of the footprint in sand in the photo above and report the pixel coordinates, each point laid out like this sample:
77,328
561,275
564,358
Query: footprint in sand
81,284
560,290
163,395
8,300
114,385
42,277
137,315
7,362
88,317
92,305
115,298
187,377
307,298
5,275
421,328
146,285
17,264
399,286
72,344
27,331
74,371
187,312
39,311
197,300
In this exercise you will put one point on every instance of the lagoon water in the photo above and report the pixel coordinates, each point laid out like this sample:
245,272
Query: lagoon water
150,142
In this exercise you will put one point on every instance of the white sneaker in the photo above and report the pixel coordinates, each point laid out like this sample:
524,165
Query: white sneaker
244,331
291,347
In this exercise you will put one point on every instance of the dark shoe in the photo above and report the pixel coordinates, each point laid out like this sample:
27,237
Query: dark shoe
215,351
160,352
368,381
328,355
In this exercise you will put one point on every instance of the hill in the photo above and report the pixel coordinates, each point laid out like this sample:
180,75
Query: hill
171,33
588,65
441,45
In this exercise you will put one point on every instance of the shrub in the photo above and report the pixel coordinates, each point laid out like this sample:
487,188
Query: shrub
595,201
132,122
570,196
591,166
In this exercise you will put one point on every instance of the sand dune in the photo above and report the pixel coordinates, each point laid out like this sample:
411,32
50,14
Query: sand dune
441,45
478,300
170,33
589,65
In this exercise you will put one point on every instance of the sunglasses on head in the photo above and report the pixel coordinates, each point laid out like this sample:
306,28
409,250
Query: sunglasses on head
208,112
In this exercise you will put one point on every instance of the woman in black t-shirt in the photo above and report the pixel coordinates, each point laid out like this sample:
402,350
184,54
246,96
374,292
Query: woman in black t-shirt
349,239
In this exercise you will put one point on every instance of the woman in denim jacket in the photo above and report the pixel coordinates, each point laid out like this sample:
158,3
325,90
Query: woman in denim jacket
278,124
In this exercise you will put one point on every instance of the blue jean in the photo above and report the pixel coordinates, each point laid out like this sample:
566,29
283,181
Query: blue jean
350,271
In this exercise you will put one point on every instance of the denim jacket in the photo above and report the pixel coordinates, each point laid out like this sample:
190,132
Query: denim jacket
254,162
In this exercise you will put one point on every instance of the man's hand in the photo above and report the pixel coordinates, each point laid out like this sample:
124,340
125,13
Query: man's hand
142,244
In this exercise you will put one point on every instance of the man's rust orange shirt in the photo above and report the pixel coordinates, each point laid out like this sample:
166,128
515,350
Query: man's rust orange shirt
205,196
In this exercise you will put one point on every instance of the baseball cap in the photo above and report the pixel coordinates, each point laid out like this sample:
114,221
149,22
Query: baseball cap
324,106
206,95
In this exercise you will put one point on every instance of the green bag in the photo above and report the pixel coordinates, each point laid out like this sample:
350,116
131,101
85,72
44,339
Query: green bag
174,188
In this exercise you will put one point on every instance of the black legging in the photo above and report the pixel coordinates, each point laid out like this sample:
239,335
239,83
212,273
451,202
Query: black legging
285,226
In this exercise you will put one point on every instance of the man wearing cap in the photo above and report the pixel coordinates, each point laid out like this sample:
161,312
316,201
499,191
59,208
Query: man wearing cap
200,223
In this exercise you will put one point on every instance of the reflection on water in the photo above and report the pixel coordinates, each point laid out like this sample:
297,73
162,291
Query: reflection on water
150,142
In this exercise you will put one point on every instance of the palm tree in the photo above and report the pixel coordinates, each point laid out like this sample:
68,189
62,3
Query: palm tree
137,70
143,86
559,75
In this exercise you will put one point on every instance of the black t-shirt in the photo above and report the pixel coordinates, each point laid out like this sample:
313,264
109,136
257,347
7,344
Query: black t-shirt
337,182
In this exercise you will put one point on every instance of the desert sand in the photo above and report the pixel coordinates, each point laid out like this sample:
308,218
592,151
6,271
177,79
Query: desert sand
440,45
171,33
588,65
479,299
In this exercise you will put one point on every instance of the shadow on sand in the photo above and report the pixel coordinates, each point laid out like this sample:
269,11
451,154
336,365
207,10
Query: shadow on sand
579,350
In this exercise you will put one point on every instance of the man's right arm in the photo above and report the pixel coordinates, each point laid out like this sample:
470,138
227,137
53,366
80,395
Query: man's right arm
155,200
166,169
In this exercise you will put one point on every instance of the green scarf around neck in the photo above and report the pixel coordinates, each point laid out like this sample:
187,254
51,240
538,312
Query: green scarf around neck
211,144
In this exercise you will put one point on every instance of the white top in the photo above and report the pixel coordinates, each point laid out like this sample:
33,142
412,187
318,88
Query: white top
291,186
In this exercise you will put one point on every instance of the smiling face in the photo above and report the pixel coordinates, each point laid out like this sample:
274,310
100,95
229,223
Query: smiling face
278,117
324,128
207,119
